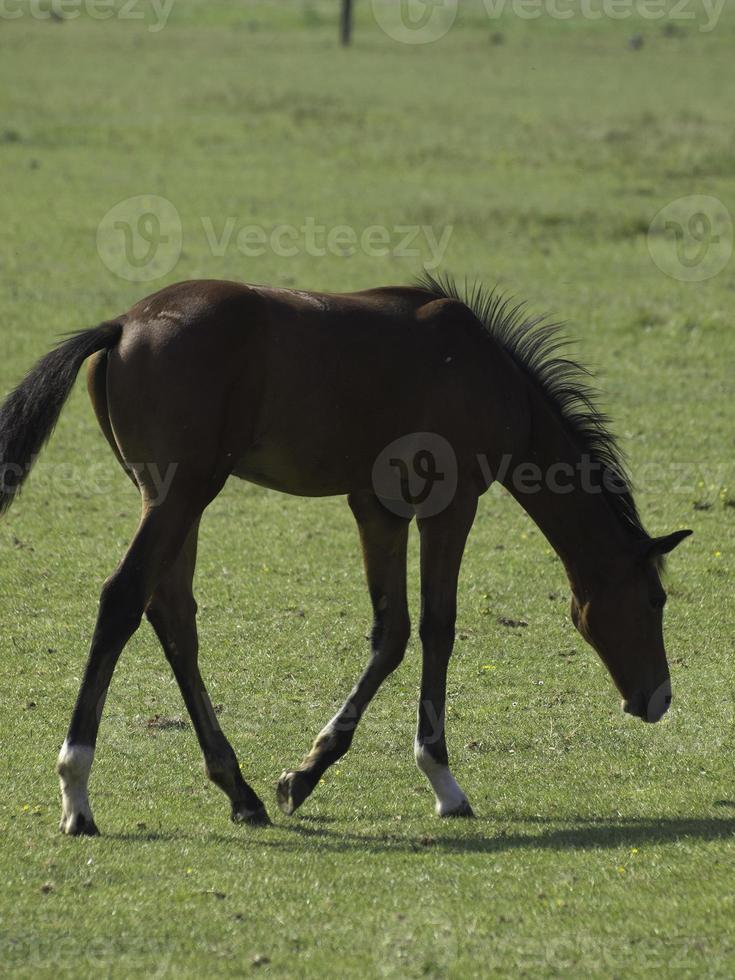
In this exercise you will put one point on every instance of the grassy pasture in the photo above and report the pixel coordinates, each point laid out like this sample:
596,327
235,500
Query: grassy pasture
602,847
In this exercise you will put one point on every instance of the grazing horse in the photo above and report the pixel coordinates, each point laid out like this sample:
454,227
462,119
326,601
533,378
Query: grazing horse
409,400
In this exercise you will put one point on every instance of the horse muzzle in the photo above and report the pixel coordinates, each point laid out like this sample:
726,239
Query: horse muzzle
649,706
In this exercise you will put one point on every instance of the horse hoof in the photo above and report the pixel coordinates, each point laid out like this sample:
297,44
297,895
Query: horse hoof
78,825
257,818
463,810
292,790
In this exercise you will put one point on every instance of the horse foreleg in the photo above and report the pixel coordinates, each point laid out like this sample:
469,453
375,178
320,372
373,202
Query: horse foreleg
443,540
383,537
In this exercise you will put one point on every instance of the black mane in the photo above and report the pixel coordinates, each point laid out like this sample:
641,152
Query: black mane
534,343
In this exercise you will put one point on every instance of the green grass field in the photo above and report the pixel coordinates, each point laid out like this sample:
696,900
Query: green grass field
602,847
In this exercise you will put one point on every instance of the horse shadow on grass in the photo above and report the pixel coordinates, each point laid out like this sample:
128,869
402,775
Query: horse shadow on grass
575,834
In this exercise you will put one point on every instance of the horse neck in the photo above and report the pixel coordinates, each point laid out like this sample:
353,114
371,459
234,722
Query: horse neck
580,524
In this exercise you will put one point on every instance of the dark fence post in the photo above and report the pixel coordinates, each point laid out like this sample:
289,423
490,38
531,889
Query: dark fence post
345,23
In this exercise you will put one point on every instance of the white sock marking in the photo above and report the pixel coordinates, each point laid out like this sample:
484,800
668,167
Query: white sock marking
449,796
73,766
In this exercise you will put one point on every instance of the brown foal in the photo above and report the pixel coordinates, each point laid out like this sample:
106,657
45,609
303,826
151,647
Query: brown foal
409,400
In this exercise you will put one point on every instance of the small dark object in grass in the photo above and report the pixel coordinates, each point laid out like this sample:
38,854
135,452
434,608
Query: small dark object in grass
161,723
672,30
635,43
512,623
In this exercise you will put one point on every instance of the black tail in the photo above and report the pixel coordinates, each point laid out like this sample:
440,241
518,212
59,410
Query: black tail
30,413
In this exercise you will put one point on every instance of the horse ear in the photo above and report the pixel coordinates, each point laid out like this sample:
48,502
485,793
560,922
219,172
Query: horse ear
656,547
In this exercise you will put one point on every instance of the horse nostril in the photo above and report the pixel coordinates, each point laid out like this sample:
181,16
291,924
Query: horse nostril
659,702
650,708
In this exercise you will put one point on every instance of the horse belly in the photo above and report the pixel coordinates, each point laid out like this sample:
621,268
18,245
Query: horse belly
297,471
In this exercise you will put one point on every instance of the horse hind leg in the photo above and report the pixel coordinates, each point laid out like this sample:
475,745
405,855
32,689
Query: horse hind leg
75,760
161,533
172,613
